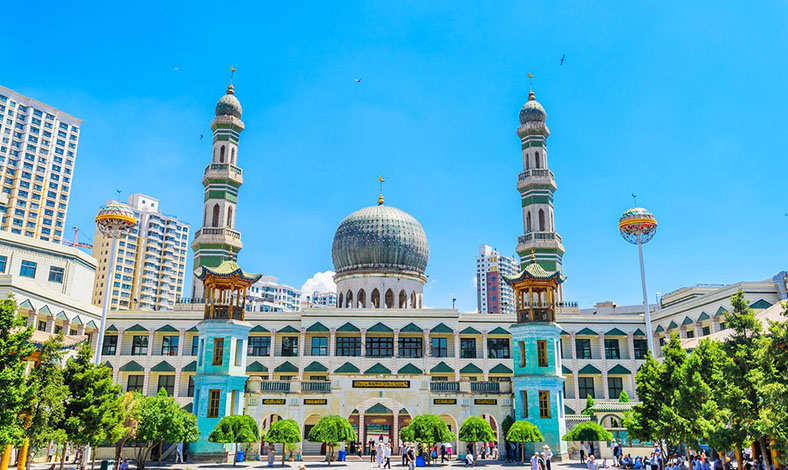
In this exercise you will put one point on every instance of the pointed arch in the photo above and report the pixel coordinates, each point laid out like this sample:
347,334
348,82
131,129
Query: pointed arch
230,217
389,299
527,162
376,298
215,220
341,300
205,217
403,299
232,156
349,299
528,222
362,299
221,154
538,160
541,220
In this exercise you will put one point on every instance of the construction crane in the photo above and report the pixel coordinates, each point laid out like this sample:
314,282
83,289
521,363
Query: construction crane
76,242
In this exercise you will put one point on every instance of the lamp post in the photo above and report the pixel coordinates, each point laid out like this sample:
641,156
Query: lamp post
638,226
114,221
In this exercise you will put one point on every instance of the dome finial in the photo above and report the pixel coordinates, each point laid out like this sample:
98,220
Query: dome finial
230,86
531,96
533,256
380,197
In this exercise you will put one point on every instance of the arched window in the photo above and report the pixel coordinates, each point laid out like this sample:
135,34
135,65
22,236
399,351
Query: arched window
389,299
215,221
230,217
538,161
413,299
221,154
341,300
403,299
527,161
232,156
541,220
552,221
362,299
528,222
205,217
349,299
376,298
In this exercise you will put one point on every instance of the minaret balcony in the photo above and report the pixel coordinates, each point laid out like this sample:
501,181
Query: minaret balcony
535,240
535,314
534,177
216,311
218,235
223,171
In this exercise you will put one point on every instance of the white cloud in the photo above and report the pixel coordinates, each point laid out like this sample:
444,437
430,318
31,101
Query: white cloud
319,282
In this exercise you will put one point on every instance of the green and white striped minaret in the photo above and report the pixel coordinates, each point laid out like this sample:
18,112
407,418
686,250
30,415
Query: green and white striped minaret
536,185
217,240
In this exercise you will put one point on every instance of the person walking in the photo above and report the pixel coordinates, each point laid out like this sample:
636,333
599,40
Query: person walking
372,452
535,461
411,454
271,454
379,453
548,455
387,455
443,453
179,453
582,452
591,465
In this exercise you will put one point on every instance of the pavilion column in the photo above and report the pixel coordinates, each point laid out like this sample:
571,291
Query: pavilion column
363,342
683,332
485,353
51,326
715,324
605,391
302,342
457,355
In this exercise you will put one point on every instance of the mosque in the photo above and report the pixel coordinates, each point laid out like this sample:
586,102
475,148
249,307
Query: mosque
380,358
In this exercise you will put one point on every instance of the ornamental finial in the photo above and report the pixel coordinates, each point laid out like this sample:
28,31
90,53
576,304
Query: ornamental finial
380,197
533,256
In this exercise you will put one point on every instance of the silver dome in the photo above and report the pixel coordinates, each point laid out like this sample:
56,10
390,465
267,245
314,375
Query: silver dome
380,239
532,111
229,105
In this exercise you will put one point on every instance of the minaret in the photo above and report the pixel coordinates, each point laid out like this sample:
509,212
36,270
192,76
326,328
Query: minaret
536,185
217,240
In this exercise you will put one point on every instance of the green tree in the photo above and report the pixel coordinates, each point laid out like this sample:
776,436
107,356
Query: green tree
14,390
589,409
93,410
129,426
588,431
284,431
522,432
332,430
427,430
161,419
742,398
48,393
773,384
235,429
623,397
475,429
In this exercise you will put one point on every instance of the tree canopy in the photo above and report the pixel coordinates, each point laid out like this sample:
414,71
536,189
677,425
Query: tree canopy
284,431
161,419
14,390
235,429
589,408
332,430
524,431
475,429
623,397
588,431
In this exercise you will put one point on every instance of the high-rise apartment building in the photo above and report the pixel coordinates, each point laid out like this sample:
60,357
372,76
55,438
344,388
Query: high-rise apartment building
150,263
320,300
493,294
38,147
268,295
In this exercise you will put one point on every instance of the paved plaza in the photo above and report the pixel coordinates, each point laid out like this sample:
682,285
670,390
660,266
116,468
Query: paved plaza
312,464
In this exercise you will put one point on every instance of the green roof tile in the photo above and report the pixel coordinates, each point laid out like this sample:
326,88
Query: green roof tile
441,368
194,330
411,328
564,333
619,370
163,366
44,310
471,369
703,316
659,329
61,315
188,407
760,304
378,369
91,324
76,320
190,367
589,369
615,332
720,312
565,370
256,367
346,368
568,411
441,328
286,367
500,369
586,332
687,321
108,364
132,366
639,332
379,328
498,331
259,329
672,325
26,305
317,327
315,367
137,327
348,328
409,369
470,331
167,329
379,409
288,329
111,328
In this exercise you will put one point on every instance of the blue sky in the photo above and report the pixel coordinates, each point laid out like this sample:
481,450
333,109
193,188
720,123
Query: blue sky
681,104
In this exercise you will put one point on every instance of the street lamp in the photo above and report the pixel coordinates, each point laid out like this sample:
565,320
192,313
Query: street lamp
114,221
638,226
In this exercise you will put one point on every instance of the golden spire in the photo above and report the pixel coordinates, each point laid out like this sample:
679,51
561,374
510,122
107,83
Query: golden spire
533,256
380,197
230,86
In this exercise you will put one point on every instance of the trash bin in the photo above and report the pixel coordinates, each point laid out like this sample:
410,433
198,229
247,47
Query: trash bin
342,456
108,464
239,456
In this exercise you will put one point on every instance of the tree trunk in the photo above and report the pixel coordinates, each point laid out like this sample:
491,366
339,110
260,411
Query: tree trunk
739,460
330,453
235,456
522,452
283,453
118,452
93,460
764,454
63,456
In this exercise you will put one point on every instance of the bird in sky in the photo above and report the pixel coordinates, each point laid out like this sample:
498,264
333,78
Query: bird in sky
357,80
201,136
562,59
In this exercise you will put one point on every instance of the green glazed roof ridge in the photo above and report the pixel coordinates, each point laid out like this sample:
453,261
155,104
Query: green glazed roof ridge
586,332
378,369
259,329
619,370
163,366
228,268
498,331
